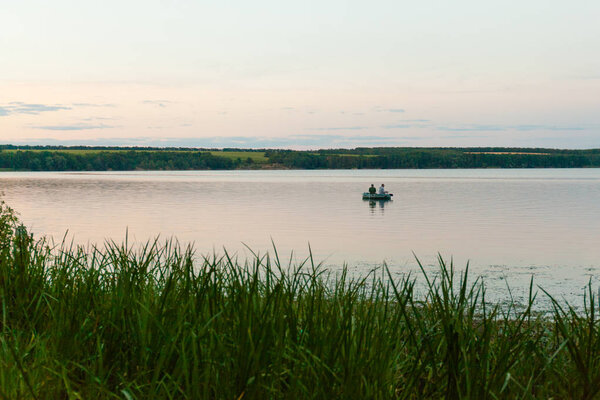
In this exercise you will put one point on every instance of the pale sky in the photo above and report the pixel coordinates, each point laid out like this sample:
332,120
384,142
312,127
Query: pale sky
305,74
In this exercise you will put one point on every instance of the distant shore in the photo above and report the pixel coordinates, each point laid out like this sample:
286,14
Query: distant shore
81,158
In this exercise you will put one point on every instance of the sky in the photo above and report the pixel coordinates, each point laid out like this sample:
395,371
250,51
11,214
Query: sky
301,75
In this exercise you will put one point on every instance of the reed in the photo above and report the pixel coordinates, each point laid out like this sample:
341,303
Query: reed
158,321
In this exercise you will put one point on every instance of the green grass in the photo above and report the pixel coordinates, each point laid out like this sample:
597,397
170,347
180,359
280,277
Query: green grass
157,321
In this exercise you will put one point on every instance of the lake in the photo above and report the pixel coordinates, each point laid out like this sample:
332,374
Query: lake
509,224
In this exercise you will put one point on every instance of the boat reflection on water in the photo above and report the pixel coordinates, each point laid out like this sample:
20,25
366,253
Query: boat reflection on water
374,204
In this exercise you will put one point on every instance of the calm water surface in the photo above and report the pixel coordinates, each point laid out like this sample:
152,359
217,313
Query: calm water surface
509,224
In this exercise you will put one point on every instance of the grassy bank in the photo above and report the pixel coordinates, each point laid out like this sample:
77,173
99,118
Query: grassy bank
153,322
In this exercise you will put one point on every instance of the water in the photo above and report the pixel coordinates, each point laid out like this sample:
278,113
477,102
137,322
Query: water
509,224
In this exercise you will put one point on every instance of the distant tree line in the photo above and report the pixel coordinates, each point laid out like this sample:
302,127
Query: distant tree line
119,148
436,158
40,158
110,160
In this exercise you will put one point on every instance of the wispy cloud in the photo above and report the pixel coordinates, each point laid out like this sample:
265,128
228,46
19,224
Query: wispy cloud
93,105
523,127
463,136
339,128
256,142
74,127
159,103
408,123
99,119
17,107
472,128
388,110
547,128
400,126
356,138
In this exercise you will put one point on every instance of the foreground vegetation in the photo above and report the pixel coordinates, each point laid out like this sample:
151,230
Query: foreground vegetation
79,158
154,322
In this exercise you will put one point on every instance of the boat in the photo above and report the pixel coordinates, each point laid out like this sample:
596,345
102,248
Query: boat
377,196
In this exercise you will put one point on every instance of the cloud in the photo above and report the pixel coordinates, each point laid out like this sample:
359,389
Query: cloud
408,123
336,137
255,142
472,128
74,127
98,119
340,128
463,136
546,128
400,126
160,103
17,107
525,127
93,105
389,110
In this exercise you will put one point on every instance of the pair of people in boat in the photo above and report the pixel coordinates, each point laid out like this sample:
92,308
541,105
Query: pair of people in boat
372,189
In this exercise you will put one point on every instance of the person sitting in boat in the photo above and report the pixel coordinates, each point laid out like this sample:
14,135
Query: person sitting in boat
372,189
382,189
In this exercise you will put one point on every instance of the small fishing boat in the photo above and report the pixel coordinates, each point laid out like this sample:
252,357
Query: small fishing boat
377,196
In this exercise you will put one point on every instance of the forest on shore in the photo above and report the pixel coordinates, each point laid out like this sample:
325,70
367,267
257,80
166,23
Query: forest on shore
84,158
